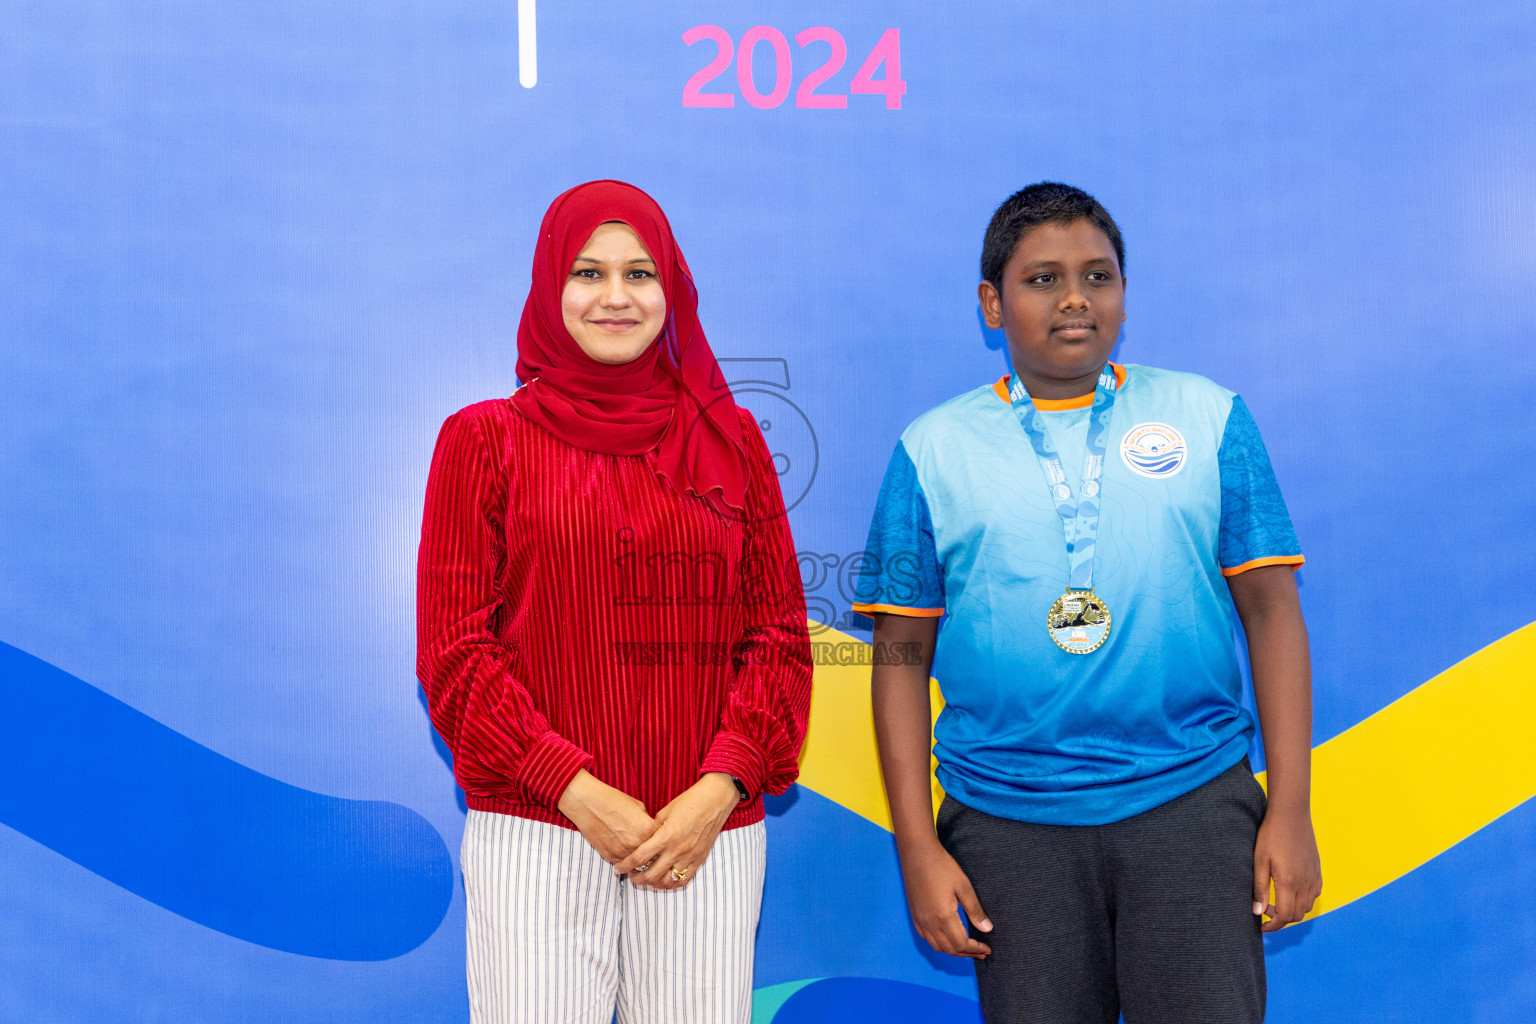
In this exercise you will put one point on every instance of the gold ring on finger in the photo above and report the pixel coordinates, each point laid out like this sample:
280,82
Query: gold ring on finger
678,874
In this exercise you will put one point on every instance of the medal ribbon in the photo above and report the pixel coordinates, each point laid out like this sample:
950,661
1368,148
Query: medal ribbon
1080,513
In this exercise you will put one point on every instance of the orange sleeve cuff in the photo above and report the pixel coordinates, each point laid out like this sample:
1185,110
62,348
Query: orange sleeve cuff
1294,561
897,609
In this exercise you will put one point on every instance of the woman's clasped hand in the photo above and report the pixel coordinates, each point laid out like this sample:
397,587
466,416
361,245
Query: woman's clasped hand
664,852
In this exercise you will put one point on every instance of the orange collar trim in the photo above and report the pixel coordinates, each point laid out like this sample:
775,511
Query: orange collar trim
1059,404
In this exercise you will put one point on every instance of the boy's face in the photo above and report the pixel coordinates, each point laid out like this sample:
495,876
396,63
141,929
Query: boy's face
1061,304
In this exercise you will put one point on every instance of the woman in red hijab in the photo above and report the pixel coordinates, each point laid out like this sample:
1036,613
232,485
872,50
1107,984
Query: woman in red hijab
612,638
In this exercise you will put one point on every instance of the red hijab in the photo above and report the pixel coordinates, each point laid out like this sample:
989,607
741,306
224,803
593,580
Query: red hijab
671,399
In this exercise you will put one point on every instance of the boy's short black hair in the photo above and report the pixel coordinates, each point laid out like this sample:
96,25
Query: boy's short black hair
1047,202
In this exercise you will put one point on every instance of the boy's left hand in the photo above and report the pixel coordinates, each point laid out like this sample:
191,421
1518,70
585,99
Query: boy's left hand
1286,853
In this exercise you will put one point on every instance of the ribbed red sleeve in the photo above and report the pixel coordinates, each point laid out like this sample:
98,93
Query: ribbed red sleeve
503,746
762,725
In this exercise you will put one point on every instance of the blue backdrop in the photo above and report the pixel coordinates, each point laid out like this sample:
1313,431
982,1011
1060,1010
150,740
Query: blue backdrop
255,253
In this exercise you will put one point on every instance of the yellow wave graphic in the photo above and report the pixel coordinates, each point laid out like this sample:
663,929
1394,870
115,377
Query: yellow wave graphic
1388,795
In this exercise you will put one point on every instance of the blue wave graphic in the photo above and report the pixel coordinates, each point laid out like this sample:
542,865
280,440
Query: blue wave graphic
842,1000
206,837
1156,463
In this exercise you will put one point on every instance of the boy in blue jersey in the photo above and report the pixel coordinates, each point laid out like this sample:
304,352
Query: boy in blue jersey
1086,531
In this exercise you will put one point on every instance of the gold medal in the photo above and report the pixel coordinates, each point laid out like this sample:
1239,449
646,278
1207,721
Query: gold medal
1078,622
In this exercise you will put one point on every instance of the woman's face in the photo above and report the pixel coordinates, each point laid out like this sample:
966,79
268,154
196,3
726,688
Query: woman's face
613,303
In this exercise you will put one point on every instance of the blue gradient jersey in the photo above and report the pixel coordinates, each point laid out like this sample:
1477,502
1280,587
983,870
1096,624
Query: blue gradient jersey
964,528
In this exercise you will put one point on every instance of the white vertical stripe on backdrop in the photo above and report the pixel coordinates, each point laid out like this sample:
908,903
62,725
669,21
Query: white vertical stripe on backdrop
527,44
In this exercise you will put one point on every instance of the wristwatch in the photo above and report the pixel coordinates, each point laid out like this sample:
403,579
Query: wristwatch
741,788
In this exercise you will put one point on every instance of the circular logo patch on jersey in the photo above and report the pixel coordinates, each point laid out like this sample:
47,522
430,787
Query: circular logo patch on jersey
1153,449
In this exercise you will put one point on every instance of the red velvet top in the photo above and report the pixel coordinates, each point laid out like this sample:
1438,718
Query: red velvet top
575,611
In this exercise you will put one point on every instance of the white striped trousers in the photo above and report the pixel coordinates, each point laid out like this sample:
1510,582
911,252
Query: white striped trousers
554,937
